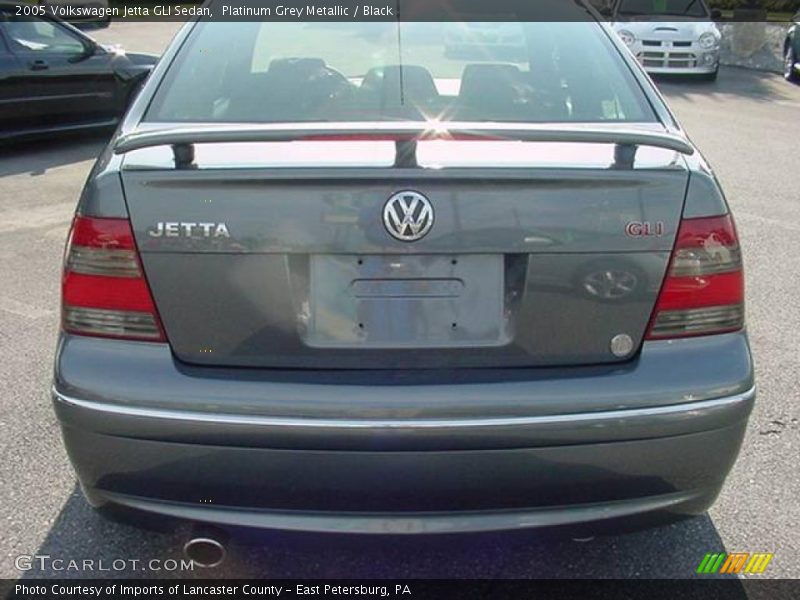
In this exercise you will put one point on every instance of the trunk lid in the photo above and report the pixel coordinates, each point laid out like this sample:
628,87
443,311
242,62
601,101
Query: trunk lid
537,258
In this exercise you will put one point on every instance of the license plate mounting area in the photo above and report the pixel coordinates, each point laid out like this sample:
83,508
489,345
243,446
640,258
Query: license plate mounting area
406,301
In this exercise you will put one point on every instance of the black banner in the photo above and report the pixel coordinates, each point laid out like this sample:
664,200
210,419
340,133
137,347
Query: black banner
86,589
402,10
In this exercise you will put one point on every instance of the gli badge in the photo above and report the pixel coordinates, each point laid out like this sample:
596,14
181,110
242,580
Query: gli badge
644,229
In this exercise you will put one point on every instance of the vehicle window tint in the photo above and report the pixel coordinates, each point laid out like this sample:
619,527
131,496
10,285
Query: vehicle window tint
28,34
301,72
3,44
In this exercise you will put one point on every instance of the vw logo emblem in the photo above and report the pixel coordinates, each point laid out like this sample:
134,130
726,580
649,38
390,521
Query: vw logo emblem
408,216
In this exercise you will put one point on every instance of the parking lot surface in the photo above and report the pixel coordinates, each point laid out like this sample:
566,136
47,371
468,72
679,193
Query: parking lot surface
748,126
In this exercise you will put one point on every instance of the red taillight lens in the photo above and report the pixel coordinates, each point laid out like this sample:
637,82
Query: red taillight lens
104,292
703,292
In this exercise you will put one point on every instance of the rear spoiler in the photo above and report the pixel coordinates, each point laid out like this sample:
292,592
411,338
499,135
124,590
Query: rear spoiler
406,135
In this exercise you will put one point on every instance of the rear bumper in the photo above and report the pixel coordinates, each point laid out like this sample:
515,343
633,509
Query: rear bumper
636,482
532,456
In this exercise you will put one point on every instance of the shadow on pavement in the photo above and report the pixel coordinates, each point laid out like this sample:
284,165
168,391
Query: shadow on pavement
39,156
756,85
669,552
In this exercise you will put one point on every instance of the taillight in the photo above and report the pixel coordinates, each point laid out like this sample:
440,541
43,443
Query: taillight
103,289
703,292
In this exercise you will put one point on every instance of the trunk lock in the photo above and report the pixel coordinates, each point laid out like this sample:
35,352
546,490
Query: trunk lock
621,345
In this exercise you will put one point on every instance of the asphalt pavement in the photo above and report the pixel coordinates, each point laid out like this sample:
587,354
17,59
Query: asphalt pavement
748,126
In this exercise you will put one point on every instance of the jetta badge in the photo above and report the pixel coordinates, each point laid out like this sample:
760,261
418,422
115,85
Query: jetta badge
181,229
408,216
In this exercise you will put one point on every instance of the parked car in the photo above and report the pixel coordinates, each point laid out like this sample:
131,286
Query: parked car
673,36
54,77
791,51
390,291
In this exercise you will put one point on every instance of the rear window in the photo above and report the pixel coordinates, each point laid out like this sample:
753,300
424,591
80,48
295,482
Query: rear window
410,71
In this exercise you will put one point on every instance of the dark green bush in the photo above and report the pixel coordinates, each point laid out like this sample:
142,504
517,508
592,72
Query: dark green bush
791,6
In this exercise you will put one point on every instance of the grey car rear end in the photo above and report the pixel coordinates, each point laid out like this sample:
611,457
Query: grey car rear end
301,359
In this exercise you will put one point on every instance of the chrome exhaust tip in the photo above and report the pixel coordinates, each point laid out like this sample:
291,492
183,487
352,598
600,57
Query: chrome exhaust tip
205,550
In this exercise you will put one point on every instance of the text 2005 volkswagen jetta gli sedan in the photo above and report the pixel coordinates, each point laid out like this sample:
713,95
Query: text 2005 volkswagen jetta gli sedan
345,277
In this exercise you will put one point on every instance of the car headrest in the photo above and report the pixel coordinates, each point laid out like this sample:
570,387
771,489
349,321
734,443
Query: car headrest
298,68
417,82
489,83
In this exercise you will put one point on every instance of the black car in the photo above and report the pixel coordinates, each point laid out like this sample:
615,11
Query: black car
791,51
54,77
